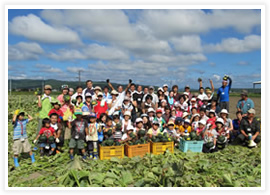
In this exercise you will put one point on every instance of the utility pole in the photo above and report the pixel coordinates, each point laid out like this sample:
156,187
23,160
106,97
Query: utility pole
79,72
10,88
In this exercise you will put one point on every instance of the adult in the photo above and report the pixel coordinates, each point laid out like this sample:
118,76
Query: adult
227,121
137,100
176,95
145,90
148,104
65,91
223,93
214,106
89,88
154,96
79,91
236,124
132,90
44,105
245,103
165,89
201,95
250,125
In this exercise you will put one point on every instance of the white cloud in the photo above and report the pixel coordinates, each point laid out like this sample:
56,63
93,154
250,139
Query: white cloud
75,69
47,68
24,51
216,77
187,44
67,55
243,63
212,64
234,45
33,28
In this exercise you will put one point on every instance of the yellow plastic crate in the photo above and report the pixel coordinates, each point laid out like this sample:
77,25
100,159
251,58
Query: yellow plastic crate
137,150
161,147
107,152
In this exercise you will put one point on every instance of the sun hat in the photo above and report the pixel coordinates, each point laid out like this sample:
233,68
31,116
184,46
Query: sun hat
170,123
160,89
144,115
130,127
150,110
212,111
138,120
185,114
55,101
177,104
193,100
251,111
187,86
244,92
165,85
97,88
151,87
114,92
186,93
194,115
127,113
203,122
155,122
163,101
116,113
47,87
100,94
220,120
187,121
127,98
71,89
224,111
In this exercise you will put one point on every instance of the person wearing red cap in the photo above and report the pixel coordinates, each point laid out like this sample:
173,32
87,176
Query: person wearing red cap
159,118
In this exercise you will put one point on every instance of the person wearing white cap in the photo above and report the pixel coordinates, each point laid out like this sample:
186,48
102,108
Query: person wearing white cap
193,104
183,103
113,101
126,136
227,121
171,131
186,128
159,118
209,137
154,130
201,127
87,102
139,125
70,91
220,131
250,128
101,106
195,118
201,95
165,88
126,105
126,121
163,105
151,114
178,109
212,117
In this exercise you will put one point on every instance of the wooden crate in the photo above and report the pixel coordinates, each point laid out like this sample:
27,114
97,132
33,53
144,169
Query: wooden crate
107,152
137,150
161,147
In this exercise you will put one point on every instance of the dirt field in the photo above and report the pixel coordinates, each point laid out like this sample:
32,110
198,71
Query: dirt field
233,103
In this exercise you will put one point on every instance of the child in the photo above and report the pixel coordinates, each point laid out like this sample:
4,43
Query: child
227,121
56,109
78,102
171,131
67,110
146,122
178,110
92,138
186,128
195,121
166,116
212,117
163,106
101,106
79,128
116,119
193,104
126,121
173,114
201,128
58,131
183,102
209,140
46,137
220,131
118,132
102,123
88,99
171,99
160,120
20,137
129,135
139,125
154,130
151,114
127,105
108,130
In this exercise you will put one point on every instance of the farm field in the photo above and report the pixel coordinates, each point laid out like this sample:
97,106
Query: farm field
235,166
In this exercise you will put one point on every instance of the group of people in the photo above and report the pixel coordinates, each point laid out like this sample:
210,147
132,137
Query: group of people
89,116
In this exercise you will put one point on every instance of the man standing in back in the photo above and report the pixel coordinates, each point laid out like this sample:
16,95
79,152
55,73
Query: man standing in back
223,93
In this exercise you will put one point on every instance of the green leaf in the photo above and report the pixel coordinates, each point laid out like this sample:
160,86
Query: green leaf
108,182
127,177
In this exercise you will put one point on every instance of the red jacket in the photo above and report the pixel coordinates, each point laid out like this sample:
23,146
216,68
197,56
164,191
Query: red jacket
59,112
99,109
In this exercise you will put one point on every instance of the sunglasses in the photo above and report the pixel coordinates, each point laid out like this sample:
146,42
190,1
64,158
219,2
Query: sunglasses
48,89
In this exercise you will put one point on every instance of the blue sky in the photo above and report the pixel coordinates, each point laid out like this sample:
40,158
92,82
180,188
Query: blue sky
151,47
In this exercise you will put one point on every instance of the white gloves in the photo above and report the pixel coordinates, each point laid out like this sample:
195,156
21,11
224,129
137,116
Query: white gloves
34,141
70,118
57,140
213,147
88,138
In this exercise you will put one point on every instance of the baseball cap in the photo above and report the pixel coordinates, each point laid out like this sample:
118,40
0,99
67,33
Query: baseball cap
193,100
224,111
155,122
47,87
186,93
92,115
127,113
187,86
159,110
126,98
203,122
114,92
187,121
88,94
151,87
64,87
71,89
165,85
138,120
144,115
251,111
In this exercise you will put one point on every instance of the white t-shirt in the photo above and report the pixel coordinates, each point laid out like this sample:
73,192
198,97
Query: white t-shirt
202,96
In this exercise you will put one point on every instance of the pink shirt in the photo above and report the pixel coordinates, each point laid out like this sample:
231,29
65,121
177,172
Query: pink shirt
61,99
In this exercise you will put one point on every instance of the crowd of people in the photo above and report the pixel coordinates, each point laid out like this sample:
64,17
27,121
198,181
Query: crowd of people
86,117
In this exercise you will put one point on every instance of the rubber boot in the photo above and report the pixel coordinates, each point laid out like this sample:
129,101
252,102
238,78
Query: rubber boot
33,158
16,163
95,156
84,156
91,155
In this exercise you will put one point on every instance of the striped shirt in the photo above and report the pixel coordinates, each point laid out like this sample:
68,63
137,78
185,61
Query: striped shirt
20,129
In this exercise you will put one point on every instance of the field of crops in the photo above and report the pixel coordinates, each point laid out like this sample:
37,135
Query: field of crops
235,166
